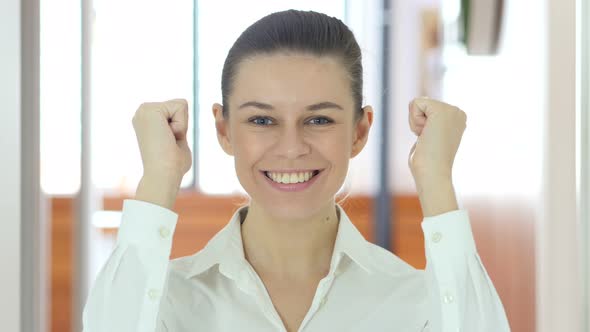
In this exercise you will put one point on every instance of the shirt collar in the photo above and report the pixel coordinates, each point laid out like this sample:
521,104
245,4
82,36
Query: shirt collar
226,248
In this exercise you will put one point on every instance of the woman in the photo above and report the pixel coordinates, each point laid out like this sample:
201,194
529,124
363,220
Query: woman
291,260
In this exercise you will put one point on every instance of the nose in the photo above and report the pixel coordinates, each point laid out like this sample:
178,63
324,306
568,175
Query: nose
292,144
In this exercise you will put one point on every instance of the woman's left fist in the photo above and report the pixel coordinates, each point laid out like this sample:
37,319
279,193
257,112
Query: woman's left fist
439,127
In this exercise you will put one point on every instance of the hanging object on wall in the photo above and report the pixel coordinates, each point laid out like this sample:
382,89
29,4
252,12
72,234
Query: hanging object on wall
480,23
431,66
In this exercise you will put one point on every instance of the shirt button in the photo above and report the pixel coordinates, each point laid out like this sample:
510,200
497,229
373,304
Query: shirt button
153,294
436,237
448,298
164,232
323,301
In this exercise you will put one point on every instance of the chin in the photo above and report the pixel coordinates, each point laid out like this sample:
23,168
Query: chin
296,209
290,214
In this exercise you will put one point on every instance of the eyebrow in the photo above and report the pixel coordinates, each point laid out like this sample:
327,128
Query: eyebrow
314,107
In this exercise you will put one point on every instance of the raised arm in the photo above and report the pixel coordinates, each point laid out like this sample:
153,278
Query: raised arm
127,293
461,294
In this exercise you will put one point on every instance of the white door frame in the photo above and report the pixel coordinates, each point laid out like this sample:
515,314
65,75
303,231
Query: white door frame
10,171
558,273
583,151
22,210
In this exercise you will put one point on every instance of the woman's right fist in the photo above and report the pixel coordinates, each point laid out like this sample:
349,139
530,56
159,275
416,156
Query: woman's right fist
161,134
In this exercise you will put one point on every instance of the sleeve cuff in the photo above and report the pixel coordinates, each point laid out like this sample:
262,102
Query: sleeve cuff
146,225
449,232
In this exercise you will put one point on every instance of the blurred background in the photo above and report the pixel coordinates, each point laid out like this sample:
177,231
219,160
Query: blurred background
72,74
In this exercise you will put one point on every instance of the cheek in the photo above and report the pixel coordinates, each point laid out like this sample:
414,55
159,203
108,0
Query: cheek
335,148
249,147
337,143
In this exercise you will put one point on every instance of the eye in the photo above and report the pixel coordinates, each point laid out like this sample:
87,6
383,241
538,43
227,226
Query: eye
261,121
320,121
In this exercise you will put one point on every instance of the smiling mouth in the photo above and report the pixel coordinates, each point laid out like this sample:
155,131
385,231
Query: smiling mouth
291,178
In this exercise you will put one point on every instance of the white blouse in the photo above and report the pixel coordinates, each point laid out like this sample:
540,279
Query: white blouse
367,288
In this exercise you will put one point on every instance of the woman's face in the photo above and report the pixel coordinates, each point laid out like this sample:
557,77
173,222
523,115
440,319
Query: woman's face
291,114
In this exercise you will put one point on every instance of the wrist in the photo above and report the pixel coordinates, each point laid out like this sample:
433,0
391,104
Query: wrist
160,190
164,175
429,180
432,174
437,195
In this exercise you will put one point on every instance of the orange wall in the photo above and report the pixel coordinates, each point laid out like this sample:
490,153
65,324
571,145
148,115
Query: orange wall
504,237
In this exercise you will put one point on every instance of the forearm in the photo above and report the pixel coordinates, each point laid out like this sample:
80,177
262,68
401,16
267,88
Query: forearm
437,196
158,190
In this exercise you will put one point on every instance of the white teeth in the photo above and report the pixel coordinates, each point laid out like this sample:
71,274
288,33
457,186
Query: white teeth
290,177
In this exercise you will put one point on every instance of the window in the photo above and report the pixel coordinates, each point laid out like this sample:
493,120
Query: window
60,96
143,51
504,112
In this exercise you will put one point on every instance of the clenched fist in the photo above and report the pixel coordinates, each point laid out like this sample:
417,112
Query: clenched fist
161,134
439,127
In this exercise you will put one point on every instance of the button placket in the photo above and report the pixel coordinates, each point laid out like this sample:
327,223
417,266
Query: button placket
164,232
436,237
448,298
441,247
153,294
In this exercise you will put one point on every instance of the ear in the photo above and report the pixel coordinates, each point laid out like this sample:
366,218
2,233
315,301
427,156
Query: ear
222,127
361,131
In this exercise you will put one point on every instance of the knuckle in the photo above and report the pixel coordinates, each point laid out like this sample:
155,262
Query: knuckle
143,106
462,115
459,112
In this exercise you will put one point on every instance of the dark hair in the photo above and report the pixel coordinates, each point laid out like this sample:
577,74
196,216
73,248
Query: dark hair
299,31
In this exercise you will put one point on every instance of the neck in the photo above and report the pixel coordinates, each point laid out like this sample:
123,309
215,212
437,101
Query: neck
295,248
